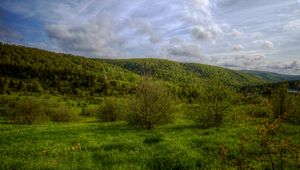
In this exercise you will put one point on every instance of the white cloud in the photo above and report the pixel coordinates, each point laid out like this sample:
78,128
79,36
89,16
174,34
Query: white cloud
267,44
236,33
206,33
258,62
238,47
97,37
293,26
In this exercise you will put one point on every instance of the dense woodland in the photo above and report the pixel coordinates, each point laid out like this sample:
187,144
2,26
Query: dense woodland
143,114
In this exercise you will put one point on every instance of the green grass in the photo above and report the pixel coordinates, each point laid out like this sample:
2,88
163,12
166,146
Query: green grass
84,145
88,144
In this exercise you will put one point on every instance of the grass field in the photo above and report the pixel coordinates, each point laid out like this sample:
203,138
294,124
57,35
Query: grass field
87,144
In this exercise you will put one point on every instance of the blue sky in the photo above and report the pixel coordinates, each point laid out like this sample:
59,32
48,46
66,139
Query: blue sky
237,34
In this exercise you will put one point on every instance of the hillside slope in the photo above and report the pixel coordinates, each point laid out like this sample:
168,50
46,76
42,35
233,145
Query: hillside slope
64,73
186,72
23,68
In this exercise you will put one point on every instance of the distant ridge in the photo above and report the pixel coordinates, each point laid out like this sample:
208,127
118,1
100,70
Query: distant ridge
272,77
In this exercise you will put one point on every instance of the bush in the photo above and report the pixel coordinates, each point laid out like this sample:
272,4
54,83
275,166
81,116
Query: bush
151,105
63,114
280,100
28,111
294,110
258,110
89,111
212,105
110,110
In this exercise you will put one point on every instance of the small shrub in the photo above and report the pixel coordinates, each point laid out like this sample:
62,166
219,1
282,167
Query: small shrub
28,111
63,114
258,110
89,111
110,111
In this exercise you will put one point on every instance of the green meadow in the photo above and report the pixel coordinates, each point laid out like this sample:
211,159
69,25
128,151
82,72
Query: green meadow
88,143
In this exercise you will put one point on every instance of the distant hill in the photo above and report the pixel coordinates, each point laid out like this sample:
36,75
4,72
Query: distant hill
177,72
272,77
30,69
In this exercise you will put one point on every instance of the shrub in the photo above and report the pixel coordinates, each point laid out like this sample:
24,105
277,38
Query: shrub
294,110
28,111
89,111
211,107
63,114
258,110
110,110
151,105
280,101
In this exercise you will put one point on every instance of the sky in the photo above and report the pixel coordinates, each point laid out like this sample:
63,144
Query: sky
237,34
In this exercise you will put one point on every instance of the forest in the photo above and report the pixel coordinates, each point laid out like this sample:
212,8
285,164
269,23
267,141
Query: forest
60,111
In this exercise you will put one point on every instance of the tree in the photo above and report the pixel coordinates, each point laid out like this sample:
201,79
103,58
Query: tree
2,85
212,105
279,100
275,147
151,105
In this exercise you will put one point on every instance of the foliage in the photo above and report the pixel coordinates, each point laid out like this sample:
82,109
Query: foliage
294,109
213,104
111,110
33,70
89,111
28,111
280,100
63,113
151,105
273,146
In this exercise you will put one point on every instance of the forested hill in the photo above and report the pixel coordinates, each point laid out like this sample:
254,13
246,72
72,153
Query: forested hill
23,68
186,72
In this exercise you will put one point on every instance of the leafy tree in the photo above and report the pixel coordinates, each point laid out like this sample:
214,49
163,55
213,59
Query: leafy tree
279,100
151,105
213,104
273,146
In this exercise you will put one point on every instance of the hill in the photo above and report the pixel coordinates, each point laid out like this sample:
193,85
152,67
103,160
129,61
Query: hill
29,69
272,77
189,73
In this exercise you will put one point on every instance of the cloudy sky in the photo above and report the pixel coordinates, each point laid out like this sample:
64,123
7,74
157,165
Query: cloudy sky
237,34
